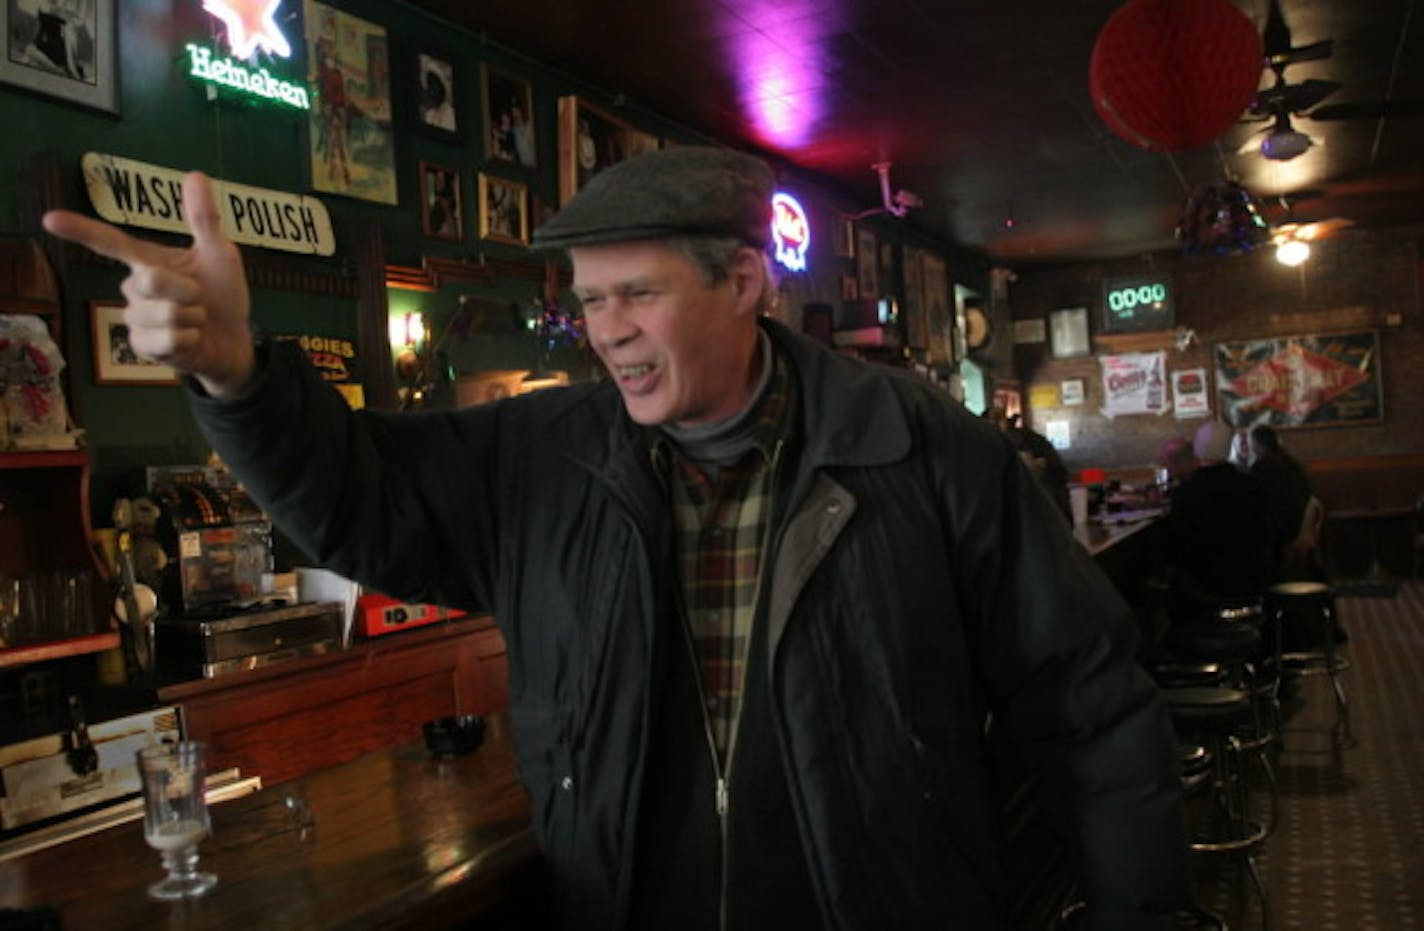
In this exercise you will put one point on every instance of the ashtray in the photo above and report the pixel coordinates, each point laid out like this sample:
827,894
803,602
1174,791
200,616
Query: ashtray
447,738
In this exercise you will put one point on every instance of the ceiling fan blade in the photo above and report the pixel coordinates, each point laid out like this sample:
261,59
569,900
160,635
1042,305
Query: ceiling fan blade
1315,51
1291,98
1275,37
1320,229
1308,93
1369,110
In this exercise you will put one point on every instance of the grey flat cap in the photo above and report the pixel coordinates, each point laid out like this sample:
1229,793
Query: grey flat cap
686,190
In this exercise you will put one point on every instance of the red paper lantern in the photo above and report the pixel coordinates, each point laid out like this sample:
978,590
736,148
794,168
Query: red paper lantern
1168,75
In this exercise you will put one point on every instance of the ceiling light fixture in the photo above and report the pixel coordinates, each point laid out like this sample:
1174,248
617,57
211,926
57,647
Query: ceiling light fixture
1284,145
1292,252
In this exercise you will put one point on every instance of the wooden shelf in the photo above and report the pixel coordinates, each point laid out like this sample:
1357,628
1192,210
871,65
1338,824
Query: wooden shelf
56,649
44,459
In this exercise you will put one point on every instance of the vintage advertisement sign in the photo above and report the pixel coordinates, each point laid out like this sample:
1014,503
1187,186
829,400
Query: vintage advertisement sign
150,196
1189,393
1298,381
335,359
1135,383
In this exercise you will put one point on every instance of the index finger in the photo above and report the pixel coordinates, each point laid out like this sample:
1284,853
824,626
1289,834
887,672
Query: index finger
101,237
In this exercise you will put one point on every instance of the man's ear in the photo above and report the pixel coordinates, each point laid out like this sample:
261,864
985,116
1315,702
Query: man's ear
749,278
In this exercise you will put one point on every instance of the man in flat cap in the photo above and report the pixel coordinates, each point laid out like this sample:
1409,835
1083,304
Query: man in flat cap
770,612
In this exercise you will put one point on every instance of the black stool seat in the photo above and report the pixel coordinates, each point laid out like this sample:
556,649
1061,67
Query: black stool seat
1298,591
1208,706
1307,630
1214,642
1169,673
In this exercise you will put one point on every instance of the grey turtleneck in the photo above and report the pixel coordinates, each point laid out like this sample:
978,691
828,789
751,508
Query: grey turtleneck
723,442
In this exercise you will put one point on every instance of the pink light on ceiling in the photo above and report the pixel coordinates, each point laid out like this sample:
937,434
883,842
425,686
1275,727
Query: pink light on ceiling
777,50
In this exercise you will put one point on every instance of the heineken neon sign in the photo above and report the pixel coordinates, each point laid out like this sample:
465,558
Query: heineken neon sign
251,26
258,82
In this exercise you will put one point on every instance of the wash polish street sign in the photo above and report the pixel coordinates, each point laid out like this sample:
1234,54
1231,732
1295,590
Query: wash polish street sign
135,193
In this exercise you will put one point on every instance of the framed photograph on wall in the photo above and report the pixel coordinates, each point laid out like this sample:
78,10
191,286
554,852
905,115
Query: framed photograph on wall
115,362
867,259
939,318
842,236
1309,380
917,321
504,210
508,105
441,216
350,141
435,93
68,51
1068,332
590,139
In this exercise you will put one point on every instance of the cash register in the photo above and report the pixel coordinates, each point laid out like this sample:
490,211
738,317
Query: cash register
216,615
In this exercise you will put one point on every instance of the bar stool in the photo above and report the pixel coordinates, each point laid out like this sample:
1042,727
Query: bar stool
1303,614
1223,822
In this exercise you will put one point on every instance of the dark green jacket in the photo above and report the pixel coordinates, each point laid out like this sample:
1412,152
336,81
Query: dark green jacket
918,580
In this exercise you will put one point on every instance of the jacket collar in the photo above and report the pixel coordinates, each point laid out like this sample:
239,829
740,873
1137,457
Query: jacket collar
850,415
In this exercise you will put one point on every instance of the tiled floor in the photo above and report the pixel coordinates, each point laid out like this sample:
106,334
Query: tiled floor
1348,851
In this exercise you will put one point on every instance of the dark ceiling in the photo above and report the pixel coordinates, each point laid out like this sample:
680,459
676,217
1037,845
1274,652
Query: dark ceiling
983,109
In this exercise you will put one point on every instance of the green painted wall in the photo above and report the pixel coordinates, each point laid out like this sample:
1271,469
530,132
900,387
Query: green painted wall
167,120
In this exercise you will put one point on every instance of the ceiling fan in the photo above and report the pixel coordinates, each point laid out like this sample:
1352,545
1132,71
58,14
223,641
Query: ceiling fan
1284,100
1292,237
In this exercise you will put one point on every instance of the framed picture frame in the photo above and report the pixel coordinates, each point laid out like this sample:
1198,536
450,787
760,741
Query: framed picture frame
435,87
1068,333
504,210
917,321
441,213
867,262
590,139
639,142
345,52
115,362
1307,380
70,56
940,315
507,102
842,236
850,288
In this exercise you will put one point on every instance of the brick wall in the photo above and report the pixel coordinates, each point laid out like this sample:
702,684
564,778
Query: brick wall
1355,281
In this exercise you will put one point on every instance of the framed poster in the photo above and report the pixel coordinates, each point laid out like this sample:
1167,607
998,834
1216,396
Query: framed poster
867,259
435,87
638,142
843,236
508,105
1068,332
1300,381
68,51
441,216
351,146
939,319
115,362
917,322
504,210
590,139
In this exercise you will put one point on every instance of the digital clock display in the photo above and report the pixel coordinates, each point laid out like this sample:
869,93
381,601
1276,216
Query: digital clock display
1135,305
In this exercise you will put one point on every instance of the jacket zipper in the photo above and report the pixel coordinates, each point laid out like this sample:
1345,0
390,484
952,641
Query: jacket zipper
722,791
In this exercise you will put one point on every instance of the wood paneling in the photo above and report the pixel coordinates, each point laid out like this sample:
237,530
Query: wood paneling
291,718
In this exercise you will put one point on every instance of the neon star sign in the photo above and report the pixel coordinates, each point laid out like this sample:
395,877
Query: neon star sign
790,231
250,24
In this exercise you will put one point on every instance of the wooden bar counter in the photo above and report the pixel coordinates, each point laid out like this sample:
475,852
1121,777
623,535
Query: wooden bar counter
398,840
